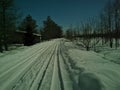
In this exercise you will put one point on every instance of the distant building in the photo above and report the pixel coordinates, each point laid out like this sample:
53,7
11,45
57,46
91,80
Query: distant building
20,36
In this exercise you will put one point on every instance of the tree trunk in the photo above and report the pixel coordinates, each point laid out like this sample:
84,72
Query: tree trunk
1,50
111,42
87,48
116,42
4,29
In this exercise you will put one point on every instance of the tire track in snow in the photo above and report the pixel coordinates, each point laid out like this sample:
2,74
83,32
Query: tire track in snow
26,68
26,59
39,85
57,78
10,72
46,83
34,65
59,71
41,75
31,48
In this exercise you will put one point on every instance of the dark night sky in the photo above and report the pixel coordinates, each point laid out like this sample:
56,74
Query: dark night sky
63,12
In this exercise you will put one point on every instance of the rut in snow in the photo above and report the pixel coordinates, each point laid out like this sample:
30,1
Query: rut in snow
29,71
59,71
39,85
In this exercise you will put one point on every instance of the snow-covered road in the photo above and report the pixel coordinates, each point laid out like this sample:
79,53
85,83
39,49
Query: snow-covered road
57,65
37,68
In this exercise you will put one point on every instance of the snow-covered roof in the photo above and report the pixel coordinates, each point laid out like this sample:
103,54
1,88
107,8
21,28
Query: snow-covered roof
36,34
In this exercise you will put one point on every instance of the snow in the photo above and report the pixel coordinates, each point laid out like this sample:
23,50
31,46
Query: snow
94,66
111,54
13,66
59,65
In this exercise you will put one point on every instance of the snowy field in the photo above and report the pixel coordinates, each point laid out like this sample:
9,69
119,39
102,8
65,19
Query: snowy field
59,65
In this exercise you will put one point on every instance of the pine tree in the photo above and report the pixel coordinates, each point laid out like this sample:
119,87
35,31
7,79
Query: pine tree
51,30
29,27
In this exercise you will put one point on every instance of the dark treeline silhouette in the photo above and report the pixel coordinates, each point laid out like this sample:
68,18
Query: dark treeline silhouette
26,32
51,30
28,25
105,28
8,18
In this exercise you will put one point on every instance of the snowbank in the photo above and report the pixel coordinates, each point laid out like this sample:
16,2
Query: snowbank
108,73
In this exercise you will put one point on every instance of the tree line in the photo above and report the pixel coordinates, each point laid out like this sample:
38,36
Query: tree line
9,18
106,27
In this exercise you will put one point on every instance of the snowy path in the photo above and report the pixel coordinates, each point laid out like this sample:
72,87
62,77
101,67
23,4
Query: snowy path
38,68
57,65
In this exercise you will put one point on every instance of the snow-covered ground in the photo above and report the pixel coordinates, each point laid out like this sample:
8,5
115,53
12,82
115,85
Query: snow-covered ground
98,71
111,54
38,67
59,65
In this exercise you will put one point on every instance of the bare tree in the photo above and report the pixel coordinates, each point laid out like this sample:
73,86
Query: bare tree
106,20
87,32
70,32
116,7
